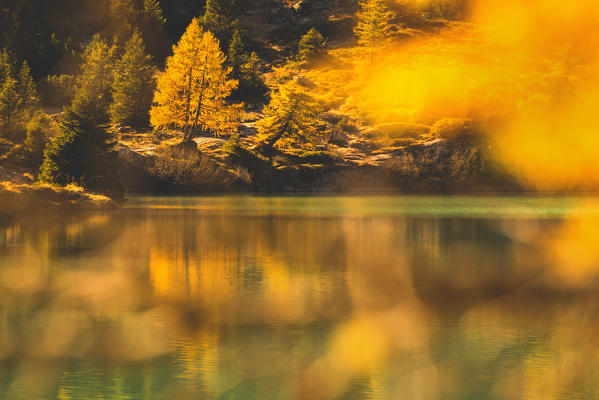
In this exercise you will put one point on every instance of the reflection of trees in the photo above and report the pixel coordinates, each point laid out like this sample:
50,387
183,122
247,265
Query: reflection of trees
180,304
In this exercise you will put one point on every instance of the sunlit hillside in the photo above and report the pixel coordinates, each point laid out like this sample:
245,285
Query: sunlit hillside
268,95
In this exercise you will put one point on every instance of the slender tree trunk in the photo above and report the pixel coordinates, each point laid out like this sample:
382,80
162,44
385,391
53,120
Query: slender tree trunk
188,100
199,108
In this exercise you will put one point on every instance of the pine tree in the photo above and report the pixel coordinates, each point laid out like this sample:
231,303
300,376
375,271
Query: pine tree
152,13
6,66
82,152
219,19
374,24
291,115
191,93
133,85
93,87
38,129
236,56
18,96
125,13
144,16
9,105
310,46
245,69
8,93
26,87
152,29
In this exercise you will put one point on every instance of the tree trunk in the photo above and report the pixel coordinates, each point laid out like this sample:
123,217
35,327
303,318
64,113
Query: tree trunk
199,108
188,100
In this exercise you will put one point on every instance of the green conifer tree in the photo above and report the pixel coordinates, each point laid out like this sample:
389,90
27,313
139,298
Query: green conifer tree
18,96
93,88
310,46
236,56
219,19
144,16
83,153
38,131
133,85
26,87
245,68
9,105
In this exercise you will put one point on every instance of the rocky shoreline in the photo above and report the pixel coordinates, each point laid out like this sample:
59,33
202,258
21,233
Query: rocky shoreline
201,166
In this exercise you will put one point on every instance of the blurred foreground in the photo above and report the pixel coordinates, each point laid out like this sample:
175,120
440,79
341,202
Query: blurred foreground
303,298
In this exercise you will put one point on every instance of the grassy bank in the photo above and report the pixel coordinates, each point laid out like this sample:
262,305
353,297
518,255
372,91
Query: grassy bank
22,197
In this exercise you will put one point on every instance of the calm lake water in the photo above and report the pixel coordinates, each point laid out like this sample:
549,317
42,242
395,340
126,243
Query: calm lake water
303,298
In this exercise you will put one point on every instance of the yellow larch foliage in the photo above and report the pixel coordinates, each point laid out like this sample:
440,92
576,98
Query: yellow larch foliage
191,93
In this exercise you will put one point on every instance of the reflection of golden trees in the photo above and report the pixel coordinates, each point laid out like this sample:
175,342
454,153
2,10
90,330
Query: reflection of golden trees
258,306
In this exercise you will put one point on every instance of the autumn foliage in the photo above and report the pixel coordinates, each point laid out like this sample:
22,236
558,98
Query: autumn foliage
191,93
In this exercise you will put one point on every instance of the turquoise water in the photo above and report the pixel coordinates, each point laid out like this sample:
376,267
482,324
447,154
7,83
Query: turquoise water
247,297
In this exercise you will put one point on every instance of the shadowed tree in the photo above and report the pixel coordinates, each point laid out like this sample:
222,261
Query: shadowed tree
38,132
219,19
245,68
144,16
82,152
93,87
133,85
18,95
191,93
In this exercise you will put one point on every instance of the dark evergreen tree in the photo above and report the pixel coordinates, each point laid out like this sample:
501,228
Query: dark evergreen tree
133,85
93,89
25,30
144,16
82,153
38,130
18,96
245,68
219,18
26,89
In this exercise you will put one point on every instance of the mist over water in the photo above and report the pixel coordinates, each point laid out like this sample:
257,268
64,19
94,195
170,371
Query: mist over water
303,298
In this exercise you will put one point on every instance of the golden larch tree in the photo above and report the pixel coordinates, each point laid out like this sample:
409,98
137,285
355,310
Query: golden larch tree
374,26
191,93
291,115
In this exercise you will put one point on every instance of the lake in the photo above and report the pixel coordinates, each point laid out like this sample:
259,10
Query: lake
246,297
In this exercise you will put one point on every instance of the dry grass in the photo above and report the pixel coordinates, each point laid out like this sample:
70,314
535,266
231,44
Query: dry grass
181,168
22,197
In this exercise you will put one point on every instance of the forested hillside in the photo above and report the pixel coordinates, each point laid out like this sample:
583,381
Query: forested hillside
185,95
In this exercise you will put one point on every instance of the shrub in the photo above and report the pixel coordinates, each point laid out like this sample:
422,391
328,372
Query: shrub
347,125
186,169
402,129
455,129
38,132
336,136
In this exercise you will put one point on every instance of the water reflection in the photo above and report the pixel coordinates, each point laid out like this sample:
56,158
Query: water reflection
302,298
